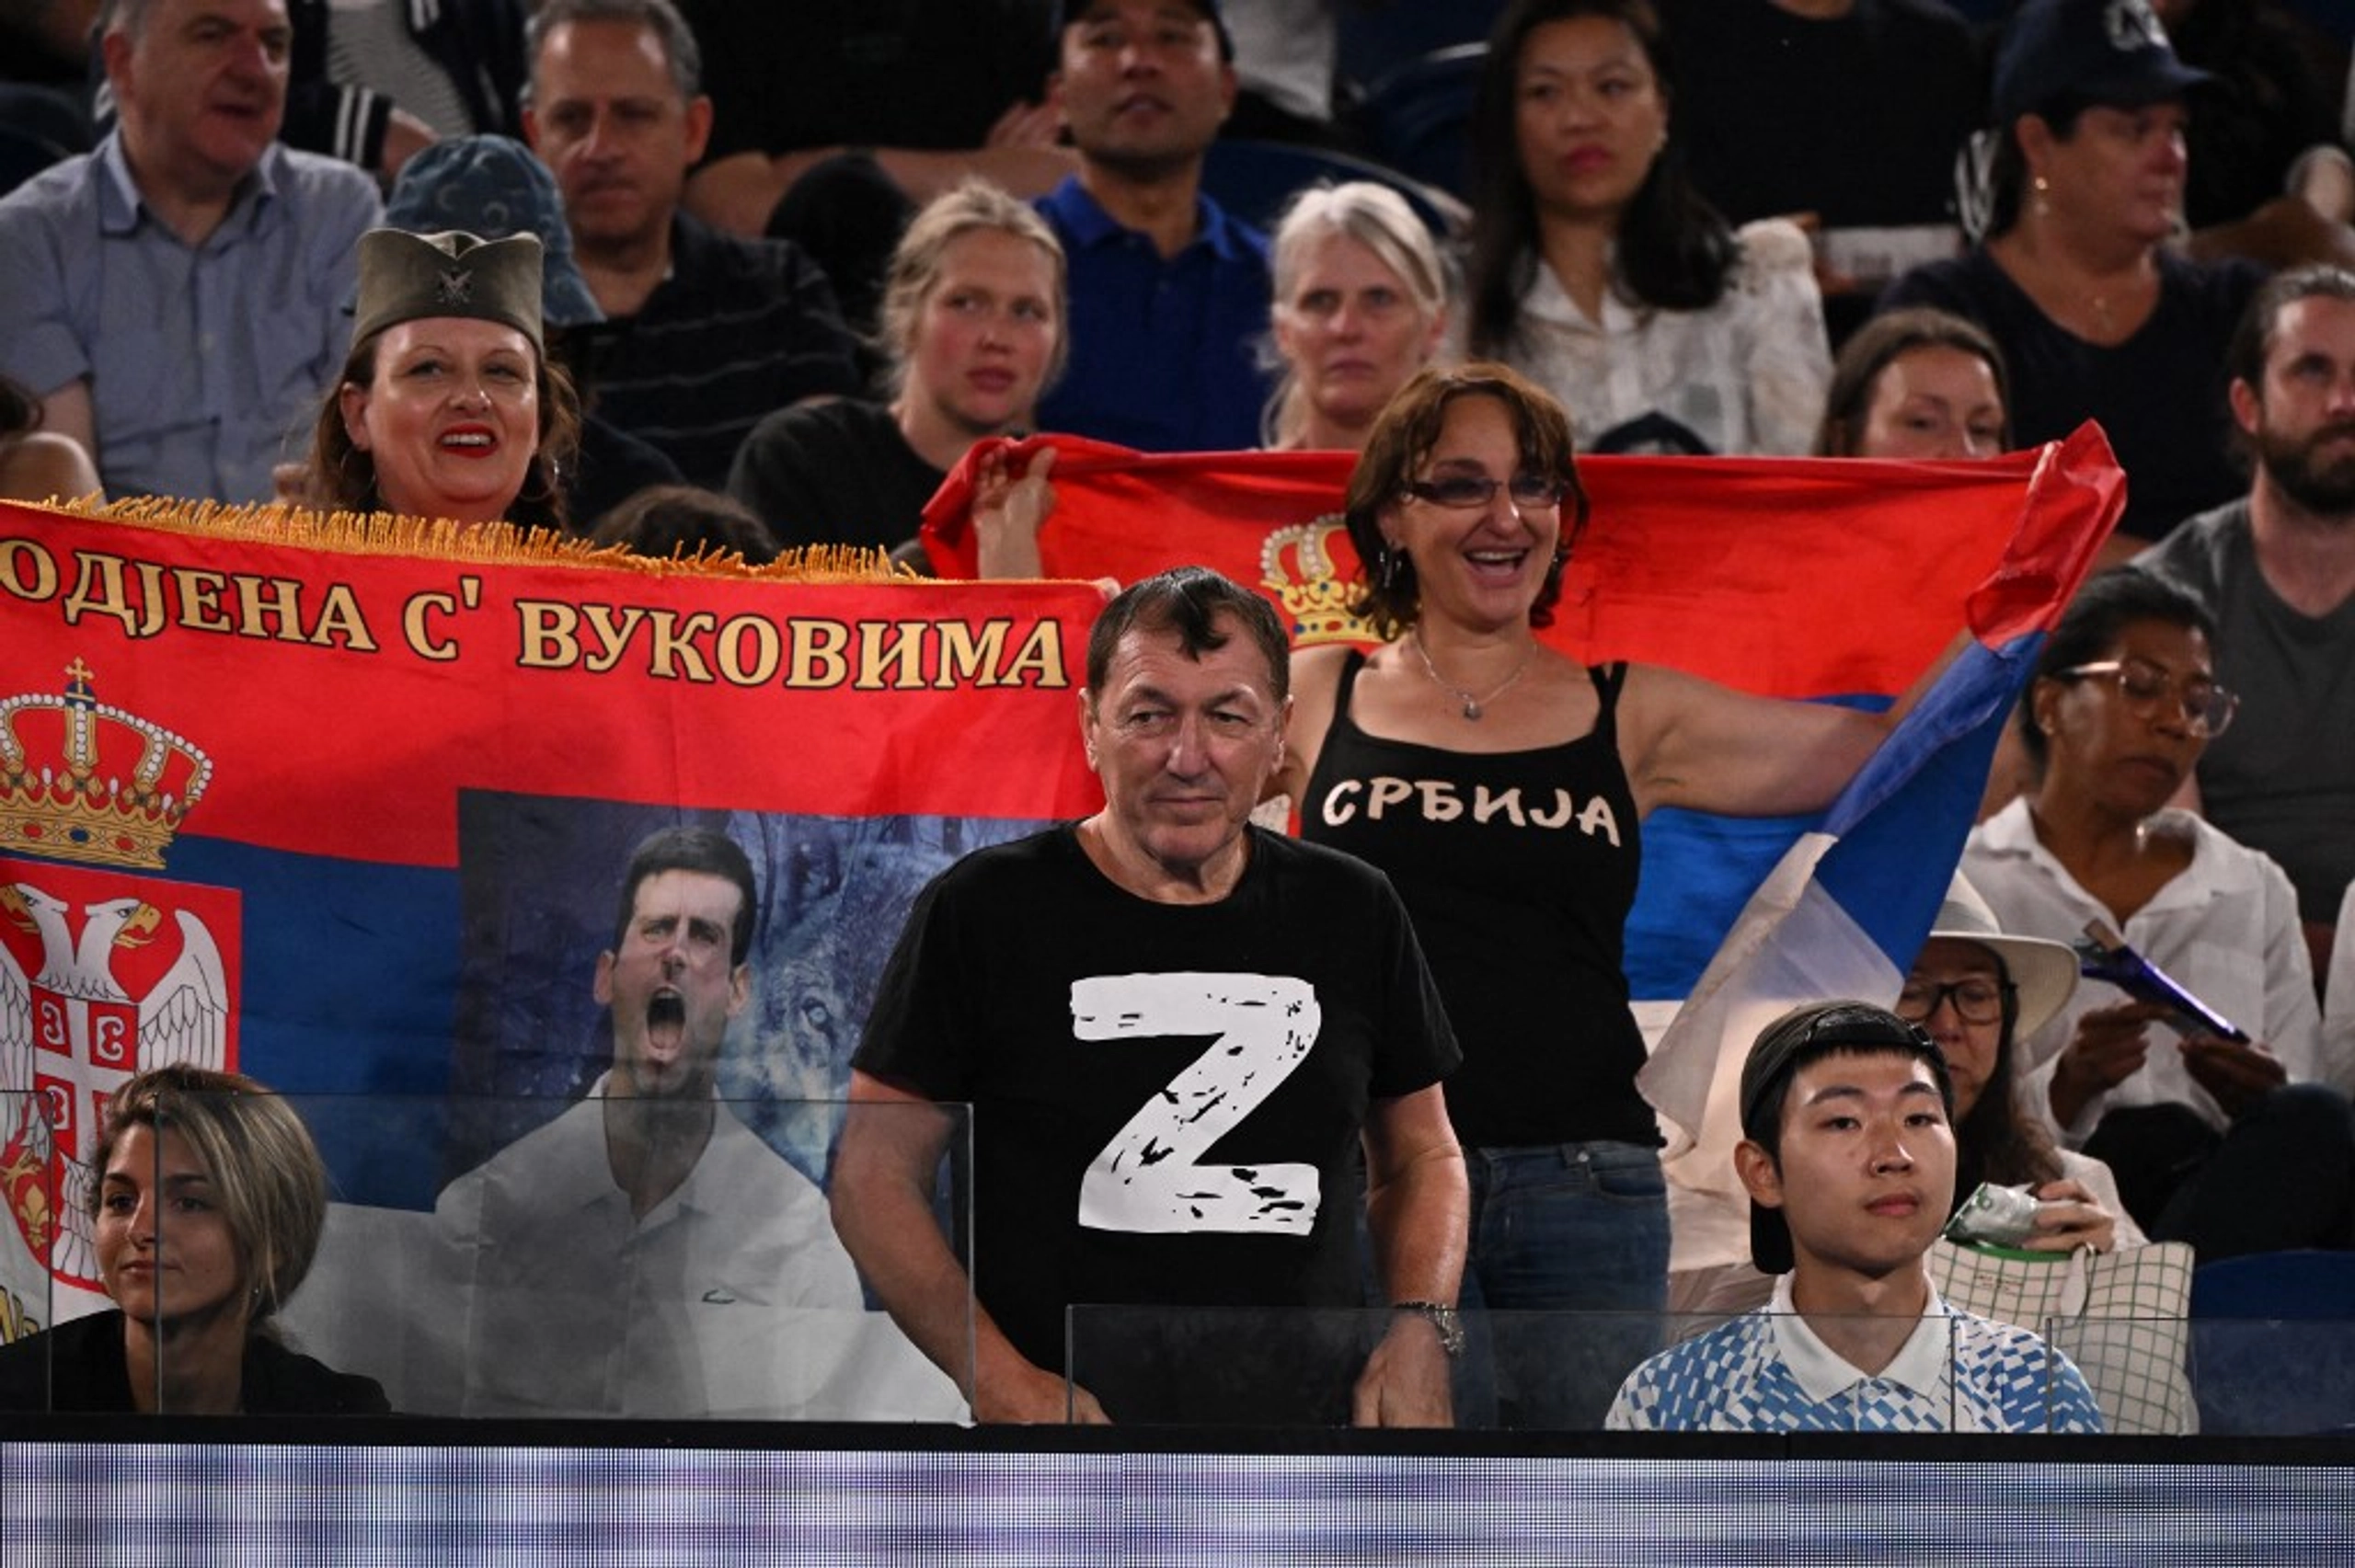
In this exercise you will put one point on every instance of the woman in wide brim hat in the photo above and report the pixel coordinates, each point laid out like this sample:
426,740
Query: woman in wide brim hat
1978,989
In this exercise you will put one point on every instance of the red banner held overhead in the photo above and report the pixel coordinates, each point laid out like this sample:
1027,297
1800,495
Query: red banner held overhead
1794,576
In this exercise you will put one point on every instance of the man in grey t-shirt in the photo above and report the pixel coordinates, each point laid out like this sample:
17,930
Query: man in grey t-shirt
2277,571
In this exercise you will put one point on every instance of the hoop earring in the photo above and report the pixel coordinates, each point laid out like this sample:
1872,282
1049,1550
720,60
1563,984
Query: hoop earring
549,472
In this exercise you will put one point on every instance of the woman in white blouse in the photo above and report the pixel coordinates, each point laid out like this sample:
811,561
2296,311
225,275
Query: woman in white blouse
1598,271
2230,1144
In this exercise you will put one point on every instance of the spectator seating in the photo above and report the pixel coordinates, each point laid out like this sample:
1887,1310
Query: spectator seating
1418,117
1254,180
2273,1344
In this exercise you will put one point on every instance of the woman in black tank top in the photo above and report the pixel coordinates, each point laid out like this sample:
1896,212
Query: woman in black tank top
1502,785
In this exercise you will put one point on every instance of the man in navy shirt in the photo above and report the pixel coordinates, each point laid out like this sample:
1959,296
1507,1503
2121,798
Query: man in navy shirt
1168,293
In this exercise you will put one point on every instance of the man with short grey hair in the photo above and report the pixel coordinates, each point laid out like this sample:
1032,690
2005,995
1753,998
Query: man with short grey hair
175,298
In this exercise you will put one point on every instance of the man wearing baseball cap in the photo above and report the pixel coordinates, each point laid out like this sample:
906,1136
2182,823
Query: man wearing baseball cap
1848,1155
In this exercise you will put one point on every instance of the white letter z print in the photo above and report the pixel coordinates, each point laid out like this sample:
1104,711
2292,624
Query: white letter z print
1146,1179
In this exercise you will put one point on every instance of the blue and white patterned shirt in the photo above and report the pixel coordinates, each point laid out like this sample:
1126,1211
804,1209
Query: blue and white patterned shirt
1768,1372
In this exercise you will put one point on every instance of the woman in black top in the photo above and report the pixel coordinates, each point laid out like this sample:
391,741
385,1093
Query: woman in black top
1502,785
208,1200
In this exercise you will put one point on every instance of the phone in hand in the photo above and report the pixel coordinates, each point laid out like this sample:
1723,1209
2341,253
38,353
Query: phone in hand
2103,954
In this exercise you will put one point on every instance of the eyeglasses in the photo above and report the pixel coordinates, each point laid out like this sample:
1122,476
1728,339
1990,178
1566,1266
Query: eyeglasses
1976,1001
1462,492
2207,707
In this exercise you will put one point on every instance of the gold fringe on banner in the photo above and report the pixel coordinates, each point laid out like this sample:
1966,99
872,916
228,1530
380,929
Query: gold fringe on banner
485,543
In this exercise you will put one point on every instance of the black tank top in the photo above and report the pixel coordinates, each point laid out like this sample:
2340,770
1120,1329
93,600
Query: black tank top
1519,868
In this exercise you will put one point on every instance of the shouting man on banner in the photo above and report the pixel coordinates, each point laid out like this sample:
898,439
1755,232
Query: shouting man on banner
626,1257
1174,1028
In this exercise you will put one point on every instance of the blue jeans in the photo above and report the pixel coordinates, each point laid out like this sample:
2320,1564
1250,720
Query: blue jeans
1561,1229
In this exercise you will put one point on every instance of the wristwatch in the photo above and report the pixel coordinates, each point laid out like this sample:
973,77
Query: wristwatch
1446,1319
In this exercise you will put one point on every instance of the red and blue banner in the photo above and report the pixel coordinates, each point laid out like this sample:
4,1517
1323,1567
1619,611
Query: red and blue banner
344,806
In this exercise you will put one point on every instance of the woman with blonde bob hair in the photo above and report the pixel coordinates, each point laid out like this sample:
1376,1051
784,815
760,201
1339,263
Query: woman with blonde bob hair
207,1207
1362,298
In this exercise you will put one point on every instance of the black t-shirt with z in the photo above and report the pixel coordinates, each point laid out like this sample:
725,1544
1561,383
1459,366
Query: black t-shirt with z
1167,1098
1519,868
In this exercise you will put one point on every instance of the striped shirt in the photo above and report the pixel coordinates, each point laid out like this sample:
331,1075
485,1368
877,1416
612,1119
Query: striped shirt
739,327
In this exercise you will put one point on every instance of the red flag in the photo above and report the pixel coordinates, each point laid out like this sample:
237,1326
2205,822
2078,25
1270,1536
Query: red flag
1797,577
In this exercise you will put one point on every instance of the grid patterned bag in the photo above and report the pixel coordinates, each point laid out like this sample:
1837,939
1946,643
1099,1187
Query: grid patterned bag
2121,1316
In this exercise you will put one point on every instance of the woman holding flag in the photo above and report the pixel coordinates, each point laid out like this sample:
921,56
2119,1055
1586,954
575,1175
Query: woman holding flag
1502,785
449,406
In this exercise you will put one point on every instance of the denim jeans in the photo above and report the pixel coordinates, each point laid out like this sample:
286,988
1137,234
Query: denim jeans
1566,1229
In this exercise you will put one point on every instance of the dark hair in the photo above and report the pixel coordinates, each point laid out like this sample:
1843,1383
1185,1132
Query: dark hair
2109,603
663,520
267,1176
343,477
1807,1034
2253,338
2007,170
129,17
20,411
706,852
1999,1139
1674,250
1189,600
1881,342
661,18
1389,597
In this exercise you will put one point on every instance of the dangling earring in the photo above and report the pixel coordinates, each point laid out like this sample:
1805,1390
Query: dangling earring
1388,572
2043,189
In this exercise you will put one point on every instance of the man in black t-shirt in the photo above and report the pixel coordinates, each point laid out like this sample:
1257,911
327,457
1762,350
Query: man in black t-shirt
1174,1030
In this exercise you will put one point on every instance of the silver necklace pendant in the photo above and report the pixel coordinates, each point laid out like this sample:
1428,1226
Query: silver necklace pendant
1470,708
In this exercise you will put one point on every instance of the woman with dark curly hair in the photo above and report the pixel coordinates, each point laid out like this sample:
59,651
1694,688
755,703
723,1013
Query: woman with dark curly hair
448,406
1503,786
1600,274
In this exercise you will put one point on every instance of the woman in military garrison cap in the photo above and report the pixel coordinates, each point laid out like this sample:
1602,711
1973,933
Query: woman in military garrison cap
448,406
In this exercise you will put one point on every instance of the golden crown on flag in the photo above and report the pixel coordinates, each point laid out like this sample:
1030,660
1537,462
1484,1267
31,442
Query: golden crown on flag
1296,563
72,801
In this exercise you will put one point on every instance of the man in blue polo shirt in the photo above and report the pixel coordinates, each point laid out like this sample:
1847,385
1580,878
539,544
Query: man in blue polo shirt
1168,293
177,298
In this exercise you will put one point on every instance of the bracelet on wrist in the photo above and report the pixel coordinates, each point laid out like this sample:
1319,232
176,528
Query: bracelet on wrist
1447,1320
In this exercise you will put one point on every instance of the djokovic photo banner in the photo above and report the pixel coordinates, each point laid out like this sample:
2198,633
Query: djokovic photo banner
345,805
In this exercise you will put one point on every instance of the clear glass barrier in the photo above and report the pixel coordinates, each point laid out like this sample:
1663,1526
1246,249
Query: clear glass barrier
1566,1371
30,1242
2281,1378
590,1258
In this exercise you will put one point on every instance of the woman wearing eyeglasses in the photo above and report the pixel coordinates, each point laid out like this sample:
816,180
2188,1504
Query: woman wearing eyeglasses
2124,700
1976,991
1501,785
